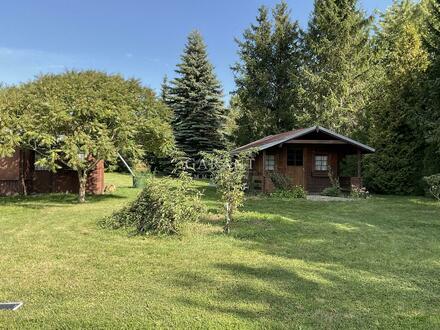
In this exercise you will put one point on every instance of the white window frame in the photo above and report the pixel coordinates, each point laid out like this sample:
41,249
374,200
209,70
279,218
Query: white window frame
269,164
321,163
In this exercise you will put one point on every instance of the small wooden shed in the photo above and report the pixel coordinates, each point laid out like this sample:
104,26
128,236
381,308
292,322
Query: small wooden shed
19,175
305,156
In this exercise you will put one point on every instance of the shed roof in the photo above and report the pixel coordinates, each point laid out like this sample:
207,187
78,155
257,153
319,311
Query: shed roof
273,140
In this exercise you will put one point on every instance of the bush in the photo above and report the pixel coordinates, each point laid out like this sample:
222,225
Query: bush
331,192
433,183
281,181
162,206
295,192
357,192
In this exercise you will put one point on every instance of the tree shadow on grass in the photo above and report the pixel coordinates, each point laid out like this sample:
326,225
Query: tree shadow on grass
387,242
40,201
303,293
245,293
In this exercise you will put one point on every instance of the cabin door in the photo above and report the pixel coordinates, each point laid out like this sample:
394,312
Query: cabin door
295,165
297,174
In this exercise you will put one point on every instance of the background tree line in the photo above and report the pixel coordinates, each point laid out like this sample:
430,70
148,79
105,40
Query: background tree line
376,79
373,78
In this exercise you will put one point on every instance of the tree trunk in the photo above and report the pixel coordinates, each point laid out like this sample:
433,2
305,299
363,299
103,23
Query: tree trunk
227,226
82,177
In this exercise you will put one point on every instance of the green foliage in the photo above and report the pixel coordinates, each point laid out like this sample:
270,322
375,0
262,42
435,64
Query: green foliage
281,181
267,74
161,208
433,183
196,98
292,192
229,176
338,71
75,119
396,131
10,123
431,118
331,191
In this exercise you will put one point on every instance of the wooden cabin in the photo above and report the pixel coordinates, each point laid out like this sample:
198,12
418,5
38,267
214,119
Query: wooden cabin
20,175
305,156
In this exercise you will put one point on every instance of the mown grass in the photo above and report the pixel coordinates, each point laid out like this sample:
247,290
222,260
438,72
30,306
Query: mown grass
287,264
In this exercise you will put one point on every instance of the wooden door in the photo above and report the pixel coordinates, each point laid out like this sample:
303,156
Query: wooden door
297,174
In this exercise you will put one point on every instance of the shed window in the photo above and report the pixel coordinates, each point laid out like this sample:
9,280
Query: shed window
270,163
294,157
321,162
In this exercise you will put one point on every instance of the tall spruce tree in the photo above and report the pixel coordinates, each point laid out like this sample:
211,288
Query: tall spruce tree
432,89
337,67
195,95
267,74
396,167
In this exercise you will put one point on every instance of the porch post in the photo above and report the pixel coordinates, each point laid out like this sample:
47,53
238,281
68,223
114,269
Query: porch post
264,171
359,163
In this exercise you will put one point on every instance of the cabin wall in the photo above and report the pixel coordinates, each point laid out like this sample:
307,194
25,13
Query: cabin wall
18,173
306,176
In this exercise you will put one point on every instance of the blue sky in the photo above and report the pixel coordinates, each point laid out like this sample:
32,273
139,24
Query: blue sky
136,38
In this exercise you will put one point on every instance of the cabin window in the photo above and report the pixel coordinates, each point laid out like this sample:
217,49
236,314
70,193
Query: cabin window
294,157
270,163
321,162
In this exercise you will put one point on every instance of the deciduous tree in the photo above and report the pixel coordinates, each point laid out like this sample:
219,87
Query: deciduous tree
76,119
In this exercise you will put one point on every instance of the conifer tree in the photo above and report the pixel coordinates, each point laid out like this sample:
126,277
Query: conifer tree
195,95
432,90
165,90
396,167
337,69
266,76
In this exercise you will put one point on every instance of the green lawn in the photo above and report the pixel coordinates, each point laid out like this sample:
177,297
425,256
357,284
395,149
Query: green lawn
287,264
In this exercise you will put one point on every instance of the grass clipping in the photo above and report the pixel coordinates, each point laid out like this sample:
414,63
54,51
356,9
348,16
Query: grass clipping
161,208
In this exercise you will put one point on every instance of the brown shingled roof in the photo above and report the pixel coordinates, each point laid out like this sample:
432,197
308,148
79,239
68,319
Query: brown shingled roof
269,140
273,140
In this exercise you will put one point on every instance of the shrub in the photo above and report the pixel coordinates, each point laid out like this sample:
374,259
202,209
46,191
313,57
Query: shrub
229,175
433,183
295,192
331,192
162,206
357,192
281,181
335,189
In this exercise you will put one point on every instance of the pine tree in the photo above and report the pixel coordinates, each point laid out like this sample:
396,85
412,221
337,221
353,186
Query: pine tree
195,95
396,167
432,90
165,90
337,69
266,76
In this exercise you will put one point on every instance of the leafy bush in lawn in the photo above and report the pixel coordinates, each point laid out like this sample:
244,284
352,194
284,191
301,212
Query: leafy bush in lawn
294,192
161,208
281,181
331,192
433,183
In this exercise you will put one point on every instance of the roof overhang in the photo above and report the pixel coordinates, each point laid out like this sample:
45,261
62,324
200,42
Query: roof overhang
301,133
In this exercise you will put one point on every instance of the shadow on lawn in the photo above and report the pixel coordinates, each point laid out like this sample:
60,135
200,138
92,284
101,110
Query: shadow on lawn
41,201
321,295
274,299
373,241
